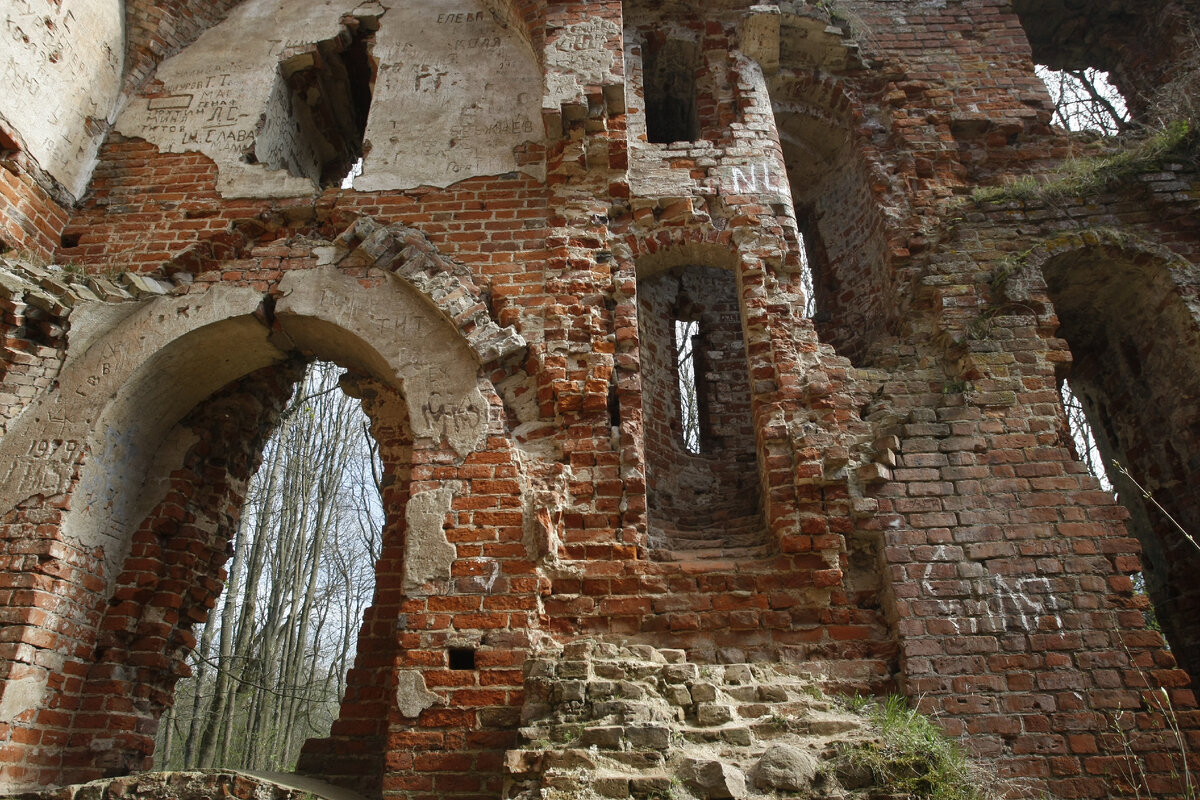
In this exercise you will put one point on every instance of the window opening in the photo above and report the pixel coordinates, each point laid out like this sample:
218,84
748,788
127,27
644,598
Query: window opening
1088,451
814,271
687,335
614,406
316,116
703,484
669,80
355,171
1084,100
806,279
1083,437
269,669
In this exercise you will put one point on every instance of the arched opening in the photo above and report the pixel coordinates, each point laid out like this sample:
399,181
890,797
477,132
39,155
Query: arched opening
703,485
269,668
261,710
1129,332
841,229
152,435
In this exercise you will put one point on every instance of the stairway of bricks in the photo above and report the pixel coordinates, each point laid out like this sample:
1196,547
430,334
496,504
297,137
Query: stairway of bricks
737,538
615,722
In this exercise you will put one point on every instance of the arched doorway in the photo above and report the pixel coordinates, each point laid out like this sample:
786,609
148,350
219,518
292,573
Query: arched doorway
1133,340
155,425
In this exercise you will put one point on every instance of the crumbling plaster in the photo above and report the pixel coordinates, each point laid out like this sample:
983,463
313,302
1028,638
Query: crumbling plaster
455,96
61,66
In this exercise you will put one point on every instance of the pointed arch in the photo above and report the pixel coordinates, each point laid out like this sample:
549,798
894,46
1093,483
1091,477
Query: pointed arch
1127,312
140,384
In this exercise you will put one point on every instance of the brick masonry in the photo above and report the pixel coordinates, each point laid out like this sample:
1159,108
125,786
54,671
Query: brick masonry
897,507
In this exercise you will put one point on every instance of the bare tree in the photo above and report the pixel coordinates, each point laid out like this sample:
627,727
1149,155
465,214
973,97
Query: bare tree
269,670
1084,100
687,333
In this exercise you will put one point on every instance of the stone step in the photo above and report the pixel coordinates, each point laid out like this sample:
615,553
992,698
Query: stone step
739,735
712,554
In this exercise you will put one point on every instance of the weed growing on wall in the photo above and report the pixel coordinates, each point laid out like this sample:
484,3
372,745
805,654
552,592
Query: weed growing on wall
1083,176
911,756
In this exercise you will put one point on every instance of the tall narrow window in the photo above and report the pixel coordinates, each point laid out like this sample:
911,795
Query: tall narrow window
1083,437
687,335
703,489
669,79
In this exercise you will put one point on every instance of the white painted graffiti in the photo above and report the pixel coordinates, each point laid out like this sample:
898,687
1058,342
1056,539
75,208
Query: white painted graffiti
757,178
995,604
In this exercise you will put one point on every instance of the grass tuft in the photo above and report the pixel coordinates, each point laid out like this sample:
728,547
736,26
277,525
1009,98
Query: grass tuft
912,755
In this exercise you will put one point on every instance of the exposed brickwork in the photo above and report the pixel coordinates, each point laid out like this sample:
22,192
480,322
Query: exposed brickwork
155,30
896,500
30,218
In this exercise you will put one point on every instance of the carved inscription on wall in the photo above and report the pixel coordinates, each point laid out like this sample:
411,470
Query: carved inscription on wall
215,92
204,109
44,468
456,94
582,55
60,73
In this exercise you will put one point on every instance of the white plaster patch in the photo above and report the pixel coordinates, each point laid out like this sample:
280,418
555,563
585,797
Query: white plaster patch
21,696
412,696
428,554
60,69
455,93
327,313
216,90
118,395
580,57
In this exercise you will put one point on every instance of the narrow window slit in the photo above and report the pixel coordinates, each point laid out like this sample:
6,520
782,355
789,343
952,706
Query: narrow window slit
687,335
614,405
1083,437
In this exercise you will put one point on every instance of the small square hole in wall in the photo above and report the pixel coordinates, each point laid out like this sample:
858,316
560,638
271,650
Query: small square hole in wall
461,658
70,239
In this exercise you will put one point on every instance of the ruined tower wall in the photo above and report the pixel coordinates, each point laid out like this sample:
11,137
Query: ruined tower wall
921,522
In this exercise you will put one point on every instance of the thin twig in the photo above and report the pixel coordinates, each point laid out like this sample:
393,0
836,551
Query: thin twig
1146,494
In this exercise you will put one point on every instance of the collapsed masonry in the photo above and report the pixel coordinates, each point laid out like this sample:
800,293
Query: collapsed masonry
883,494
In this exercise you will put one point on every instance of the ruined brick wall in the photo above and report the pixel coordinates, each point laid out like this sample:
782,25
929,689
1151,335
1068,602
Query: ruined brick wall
31,218
897,505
